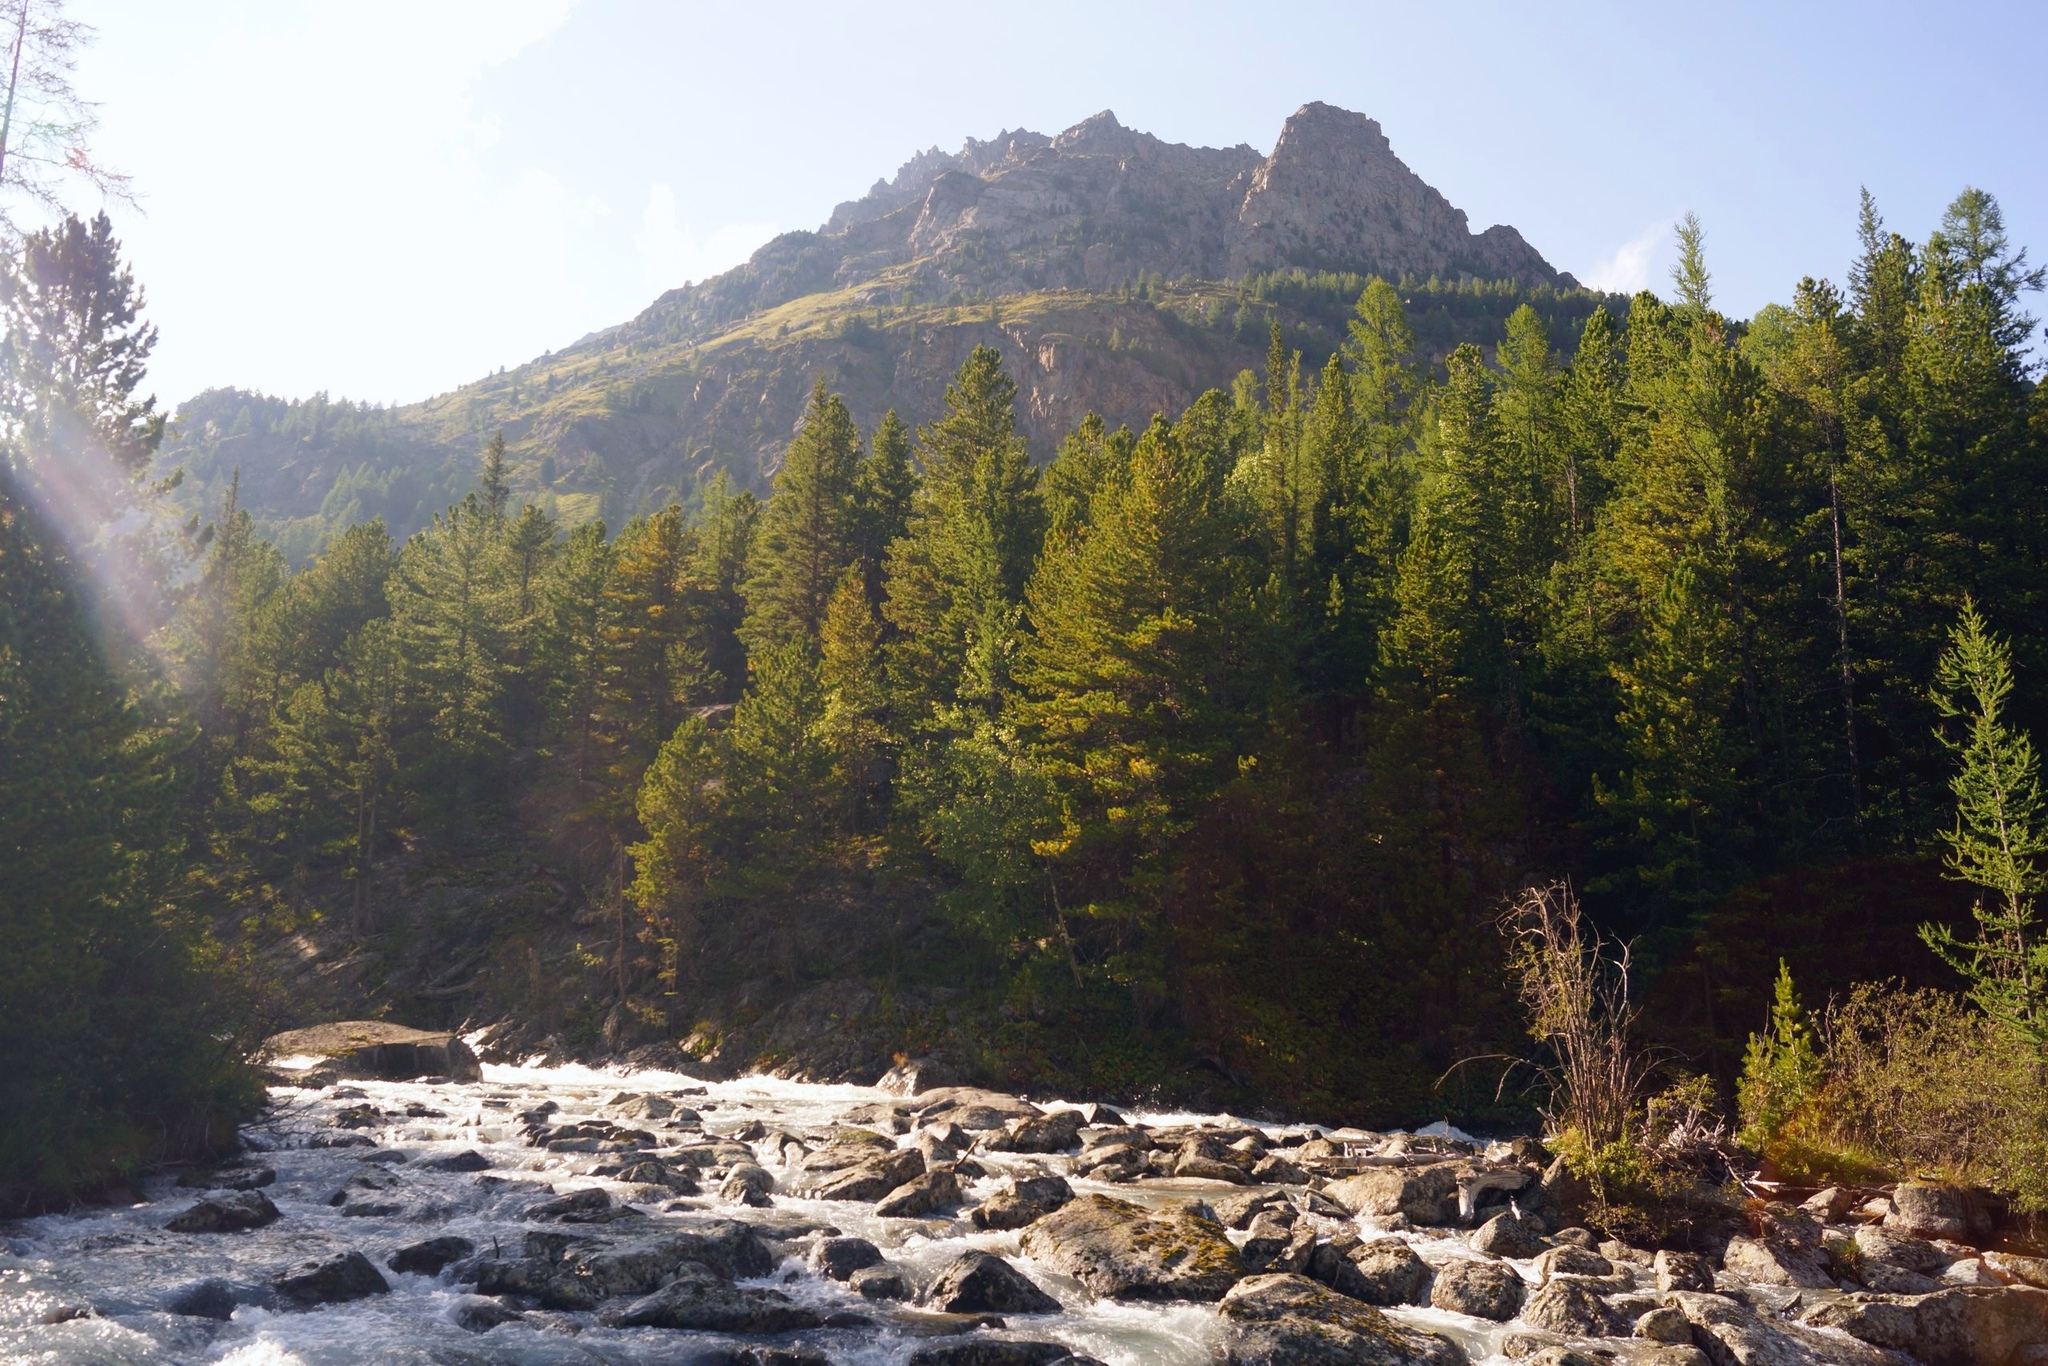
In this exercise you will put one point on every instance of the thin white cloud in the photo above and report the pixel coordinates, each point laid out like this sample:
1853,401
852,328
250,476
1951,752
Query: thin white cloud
673,254
1634,263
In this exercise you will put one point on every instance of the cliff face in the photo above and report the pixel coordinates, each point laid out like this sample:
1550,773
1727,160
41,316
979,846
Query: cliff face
1099,261
1101,205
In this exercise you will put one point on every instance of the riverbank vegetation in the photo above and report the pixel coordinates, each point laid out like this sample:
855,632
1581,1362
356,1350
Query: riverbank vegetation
1210,753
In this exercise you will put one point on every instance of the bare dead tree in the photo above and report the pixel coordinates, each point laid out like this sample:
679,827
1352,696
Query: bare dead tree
1574,982
45,126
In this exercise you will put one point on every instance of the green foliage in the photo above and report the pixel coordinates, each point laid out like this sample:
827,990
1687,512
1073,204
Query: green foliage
1999,833
1781,1069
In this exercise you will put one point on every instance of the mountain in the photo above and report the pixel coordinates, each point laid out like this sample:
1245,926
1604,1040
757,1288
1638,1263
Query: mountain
1116,272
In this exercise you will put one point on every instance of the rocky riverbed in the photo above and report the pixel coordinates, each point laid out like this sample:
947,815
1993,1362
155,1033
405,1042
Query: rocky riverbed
565,1215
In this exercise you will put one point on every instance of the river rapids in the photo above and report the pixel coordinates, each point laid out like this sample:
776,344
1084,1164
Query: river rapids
116,1285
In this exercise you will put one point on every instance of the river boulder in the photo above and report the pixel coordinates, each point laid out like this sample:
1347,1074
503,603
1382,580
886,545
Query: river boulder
1965,1326
227,1212
1485,1290
982,1283
1424,1195
699,1301
331,1280
1022,1201
1288,1320
1120,1251
374,1050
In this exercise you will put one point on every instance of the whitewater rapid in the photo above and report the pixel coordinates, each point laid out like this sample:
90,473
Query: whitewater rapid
92,1285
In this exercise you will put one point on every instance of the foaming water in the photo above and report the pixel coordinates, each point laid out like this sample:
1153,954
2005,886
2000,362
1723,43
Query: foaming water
95,1285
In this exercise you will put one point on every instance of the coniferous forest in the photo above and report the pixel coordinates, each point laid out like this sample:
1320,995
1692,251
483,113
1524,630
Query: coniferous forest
1202,761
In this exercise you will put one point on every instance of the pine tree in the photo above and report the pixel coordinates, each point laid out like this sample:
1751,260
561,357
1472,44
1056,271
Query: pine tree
856,696
2000,832
449,607
955,580
653,665
883,491
493,482
810,530
577,596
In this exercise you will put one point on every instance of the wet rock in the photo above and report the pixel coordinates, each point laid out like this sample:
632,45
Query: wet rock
1022,1201
427,1258
1559,1355
1121,1251
246,1178
1924,1210
1287,1320
748,1184
1485,1290
1683,1271
1571,1306
378,1050
839,1258
635,1106
1389,1272
228,1212
1965,1326
469,1160
727,1246
1238,1211
1275,1170
478,1314
216,1297
590,1205
1057,1132
879,1283
698,1301
1271,1234
1427,1196
937,1190
1569,1259
914,1076
972,1109
882,1118
1733,1334
331,1280
872,1178
1664,1325
1510,1235
1674,1354
994,1352
981,1283
1117,1162
652,1171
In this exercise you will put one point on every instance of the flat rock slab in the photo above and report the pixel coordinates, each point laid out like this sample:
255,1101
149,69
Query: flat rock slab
376,1050
1123,1252
1287,1320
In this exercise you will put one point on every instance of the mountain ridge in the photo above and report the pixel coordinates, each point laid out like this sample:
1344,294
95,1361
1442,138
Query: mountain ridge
1117,272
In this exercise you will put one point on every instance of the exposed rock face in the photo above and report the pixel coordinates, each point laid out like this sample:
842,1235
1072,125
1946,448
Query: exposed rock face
1733,1334
1123,1252
377,1050
1425,1195
1284,1320
1966,1326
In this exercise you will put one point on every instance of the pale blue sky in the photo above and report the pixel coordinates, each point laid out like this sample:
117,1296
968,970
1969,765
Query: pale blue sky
384,199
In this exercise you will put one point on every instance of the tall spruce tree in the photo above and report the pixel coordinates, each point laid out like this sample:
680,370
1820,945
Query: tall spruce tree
810,530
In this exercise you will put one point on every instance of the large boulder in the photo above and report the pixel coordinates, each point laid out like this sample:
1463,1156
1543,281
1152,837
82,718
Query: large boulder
1733,1334
1485,1290
1683,1271
1057,1132
970,1108
1425,1195
227,1212
1965,1326
980,1351
1788,1250
1022,1201
1510,1235
1388,1272
1924,1210
699,1301
427,1258
915,1076
983,1283
1123,1252
1287,1320
938,1189
374,1050
331,1280
872,1178
1571,1306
